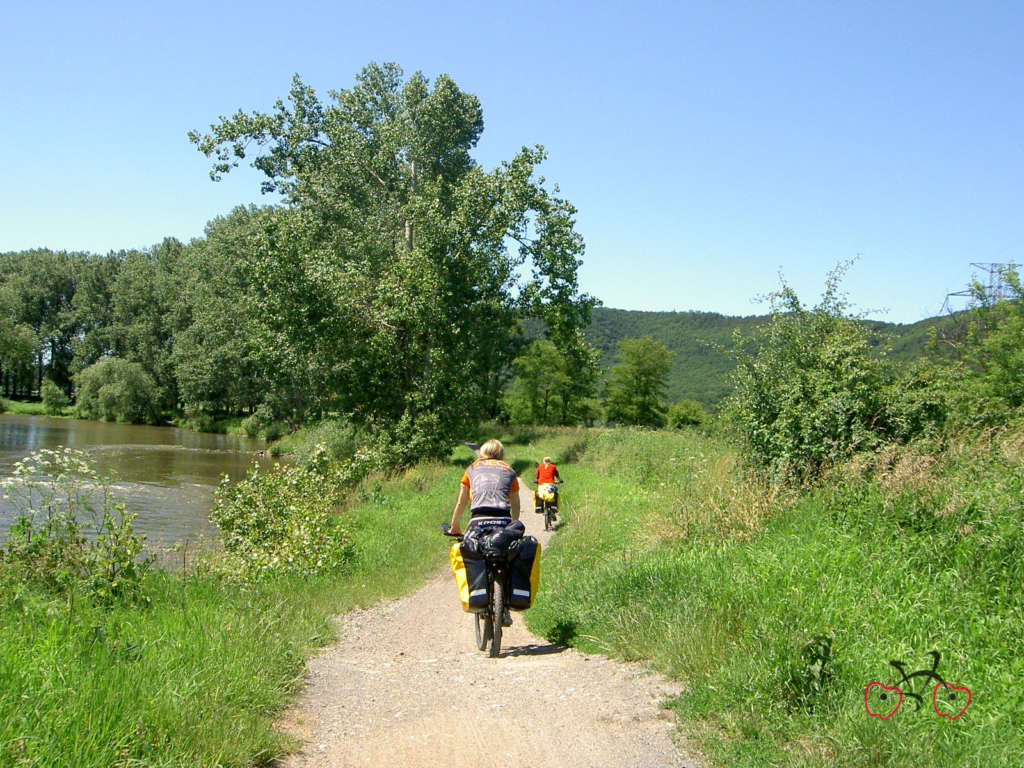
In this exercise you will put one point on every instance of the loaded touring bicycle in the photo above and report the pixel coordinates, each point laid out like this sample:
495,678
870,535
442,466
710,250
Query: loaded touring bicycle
497,568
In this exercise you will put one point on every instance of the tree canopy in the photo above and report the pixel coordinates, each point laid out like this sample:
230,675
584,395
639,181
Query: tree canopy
390,264
636,384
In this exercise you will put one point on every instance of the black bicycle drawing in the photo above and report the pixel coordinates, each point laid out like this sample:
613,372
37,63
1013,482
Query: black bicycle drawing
901,688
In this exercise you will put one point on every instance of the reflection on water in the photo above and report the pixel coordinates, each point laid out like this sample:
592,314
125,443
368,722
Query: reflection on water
167,475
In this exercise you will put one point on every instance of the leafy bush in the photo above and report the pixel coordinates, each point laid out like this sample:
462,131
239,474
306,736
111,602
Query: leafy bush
810,393
117,390
3,405
54,398
333,439
71,534
280,521
686,413
275,430
252,425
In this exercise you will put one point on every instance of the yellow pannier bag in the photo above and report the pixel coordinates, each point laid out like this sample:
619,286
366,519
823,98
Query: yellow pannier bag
546,491
470,579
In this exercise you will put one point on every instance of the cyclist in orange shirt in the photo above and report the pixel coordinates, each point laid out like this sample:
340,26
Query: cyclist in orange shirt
547,473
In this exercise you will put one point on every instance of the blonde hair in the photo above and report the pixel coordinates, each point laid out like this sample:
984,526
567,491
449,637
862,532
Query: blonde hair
547,460
492,449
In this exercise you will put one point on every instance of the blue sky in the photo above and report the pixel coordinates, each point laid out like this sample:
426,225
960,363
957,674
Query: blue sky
707,145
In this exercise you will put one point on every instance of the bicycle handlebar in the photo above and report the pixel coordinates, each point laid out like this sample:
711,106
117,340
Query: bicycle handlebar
446,529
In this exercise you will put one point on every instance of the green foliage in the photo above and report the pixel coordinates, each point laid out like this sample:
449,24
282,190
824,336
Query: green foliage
535,396
117,390
777,628
275,430
282,521
337,440
994,350
686,413
54,399
809,392
387,283
199,676
702,344
36,291
636,384
71,534
252,425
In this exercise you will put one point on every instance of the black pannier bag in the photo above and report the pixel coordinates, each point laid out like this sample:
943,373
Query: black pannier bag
523,573
499,545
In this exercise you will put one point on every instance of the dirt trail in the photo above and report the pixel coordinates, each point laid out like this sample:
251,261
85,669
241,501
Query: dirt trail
404,685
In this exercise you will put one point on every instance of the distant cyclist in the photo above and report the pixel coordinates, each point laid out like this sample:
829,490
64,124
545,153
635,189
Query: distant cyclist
547,474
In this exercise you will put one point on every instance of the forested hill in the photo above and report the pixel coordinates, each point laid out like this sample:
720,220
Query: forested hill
701,343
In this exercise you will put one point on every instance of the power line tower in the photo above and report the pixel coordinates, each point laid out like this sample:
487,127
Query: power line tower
996,287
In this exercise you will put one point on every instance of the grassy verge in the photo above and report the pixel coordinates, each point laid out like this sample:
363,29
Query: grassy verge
779,610
198,676
30,408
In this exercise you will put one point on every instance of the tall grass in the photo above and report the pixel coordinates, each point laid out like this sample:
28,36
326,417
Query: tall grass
197,677
778,609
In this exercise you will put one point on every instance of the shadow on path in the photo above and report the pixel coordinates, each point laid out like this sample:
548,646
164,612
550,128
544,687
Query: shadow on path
534,650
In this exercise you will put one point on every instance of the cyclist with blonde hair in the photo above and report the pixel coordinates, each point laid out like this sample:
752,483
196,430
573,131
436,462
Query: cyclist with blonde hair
491,489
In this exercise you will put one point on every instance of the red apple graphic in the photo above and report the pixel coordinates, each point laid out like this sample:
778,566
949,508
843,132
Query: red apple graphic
950,695
885,698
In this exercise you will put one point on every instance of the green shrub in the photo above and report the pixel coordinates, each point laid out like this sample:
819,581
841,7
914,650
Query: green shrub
337,439
251,425
117,390
54,398
60,499
280,521
275,430
3,405
686,413
809,394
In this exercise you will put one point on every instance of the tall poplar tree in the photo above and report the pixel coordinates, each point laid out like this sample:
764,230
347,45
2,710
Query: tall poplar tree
390,259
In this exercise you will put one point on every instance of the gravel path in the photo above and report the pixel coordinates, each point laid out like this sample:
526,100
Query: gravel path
405,686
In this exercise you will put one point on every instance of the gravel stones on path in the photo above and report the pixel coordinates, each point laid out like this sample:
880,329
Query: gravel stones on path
405,685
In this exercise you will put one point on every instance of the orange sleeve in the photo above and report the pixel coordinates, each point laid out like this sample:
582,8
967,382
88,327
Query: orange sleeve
465,479
514,488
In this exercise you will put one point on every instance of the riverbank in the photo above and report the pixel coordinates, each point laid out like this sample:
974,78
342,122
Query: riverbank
32,408
198,675
228,425
777,610
195,677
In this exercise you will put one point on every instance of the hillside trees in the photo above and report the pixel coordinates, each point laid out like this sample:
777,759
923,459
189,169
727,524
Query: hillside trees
389,263
636,384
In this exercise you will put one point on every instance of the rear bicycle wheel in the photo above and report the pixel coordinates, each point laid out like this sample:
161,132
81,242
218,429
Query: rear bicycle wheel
484,629
549,521
498,604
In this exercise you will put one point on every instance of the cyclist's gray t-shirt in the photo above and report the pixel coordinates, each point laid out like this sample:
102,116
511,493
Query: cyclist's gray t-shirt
491,483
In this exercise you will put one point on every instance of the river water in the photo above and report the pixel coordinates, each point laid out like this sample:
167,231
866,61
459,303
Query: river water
165,474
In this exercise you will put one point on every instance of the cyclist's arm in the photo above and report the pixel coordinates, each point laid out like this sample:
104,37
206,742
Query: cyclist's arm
514,505
460,506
